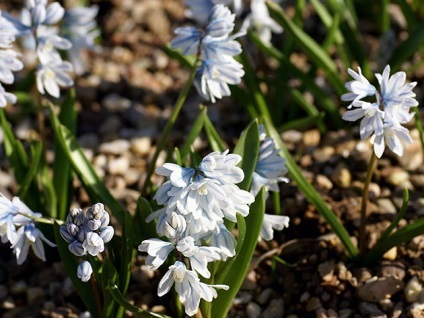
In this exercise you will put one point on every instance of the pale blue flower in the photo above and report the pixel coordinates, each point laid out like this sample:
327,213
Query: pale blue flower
158,251
93,244
80,27
394,135
271,223
29,236
51,76
212,78
221,22
6,97
9,63
270,167
383,118
200,10
84,271
394,91
260,20
225,241
187,40
372,118
359,88
47,48
199,256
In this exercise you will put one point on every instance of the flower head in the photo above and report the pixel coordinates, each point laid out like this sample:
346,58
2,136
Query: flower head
84,271
29,236
383,118
51,76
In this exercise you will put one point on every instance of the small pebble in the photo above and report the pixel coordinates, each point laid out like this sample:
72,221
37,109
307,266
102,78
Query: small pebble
313,304
118,166
275,309
116,147
253,310
413,289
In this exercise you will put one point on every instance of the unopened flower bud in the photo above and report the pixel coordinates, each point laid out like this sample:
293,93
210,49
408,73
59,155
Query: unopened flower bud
107,233
96,211
77,249
92,225
72,229
81,234
175,225
75,216
68,237
84,271
105,220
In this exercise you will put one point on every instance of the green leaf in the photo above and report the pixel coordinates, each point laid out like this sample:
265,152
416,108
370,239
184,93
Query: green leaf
194,132
314,51
48,189
248,148
215,141
36,152
407,48
311,194
62,168
71,265
117,296
146,230
128,253
85,171
408,13
109,274
240,267
14,150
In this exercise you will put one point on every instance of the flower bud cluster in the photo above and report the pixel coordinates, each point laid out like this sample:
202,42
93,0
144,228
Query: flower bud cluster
216,49
87,233
17,225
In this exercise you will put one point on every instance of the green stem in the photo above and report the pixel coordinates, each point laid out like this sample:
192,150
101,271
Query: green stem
370,171
167,130
41,220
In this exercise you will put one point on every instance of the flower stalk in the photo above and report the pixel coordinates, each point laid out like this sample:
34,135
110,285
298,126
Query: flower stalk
362,232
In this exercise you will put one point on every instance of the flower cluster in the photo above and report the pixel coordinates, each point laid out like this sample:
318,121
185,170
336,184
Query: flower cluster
17,225
383,117
87,233
268,172
196,202
80,28
9,62
216,49
39,30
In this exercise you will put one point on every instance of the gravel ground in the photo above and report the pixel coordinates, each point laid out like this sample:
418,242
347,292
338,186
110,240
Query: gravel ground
124,100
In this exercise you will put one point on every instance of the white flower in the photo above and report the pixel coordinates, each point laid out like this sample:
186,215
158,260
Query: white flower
394,91
359,88
383,118
6,97
93,243
199,257
47,45
271,223
213,77
225,241
80,28
50,76
84,271
9,63
393,135
260,20
158,251
29,236
222,167
372,118
269,167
